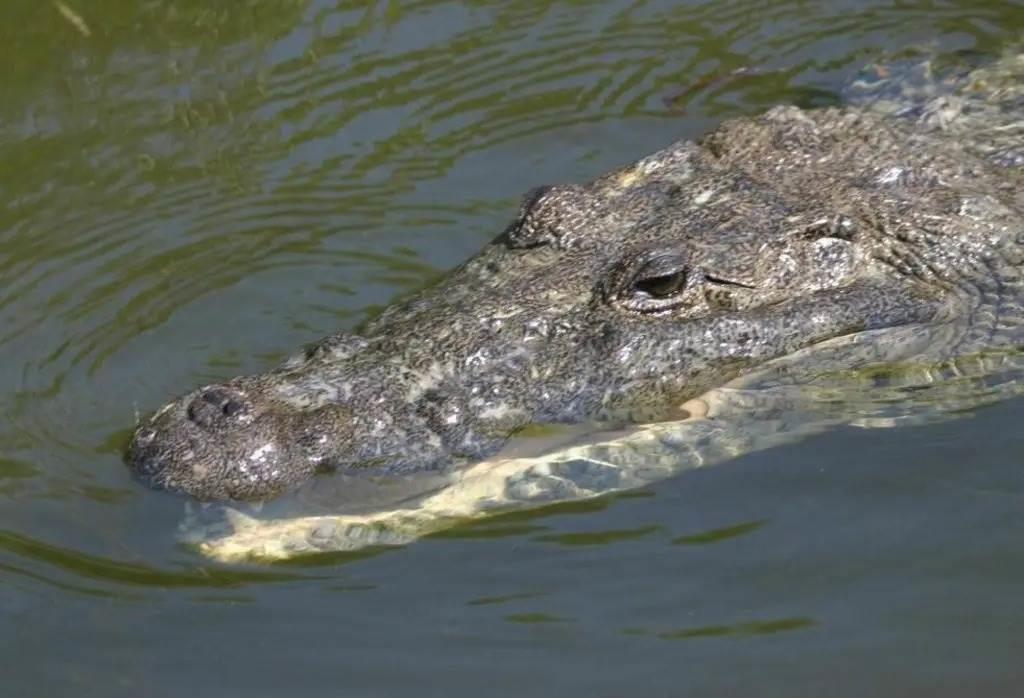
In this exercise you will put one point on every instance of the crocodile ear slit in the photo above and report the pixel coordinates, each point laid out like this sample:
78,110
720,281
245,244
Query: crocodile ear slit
719,281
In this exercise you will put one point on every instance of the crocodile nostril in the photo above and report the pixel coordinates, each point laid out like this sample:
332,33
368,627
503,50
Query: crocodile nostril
214,406
144,436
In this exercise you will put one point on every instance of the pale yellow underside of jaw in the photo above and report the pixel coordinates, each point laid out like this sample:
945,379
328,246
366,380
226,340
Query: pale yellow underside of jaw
478,491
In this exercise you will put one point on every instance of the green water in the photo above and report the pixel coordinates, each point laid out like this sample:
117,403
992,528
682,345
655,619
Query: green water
193,189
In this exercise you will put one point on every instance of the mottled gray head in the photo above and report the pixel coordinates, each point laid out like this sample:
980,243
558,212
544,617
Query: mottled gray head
618,299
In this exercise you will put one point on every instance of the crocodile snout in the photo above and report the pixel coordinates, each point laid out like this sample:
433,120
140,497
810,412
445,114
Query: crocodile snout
232,442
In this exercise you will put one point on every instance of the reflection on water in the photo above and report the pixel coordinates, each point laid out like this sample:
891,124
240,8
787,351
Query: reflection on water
719,534
194,189
94,567
768,627
599,537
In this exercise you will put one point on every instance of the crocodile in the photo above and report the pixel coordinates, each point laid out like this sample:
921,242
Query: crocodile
884,231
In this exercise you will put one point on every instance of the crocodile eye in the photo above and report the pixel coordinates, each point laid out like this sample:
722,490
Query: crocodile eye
655,281
661,286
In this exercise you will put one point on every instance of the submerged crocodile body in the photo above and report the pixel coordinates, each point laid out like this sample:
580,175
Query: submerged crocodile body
855,236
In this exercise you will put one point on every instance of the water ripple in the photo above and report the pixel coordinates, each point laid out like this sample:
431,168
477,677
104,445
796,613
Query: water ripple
193,191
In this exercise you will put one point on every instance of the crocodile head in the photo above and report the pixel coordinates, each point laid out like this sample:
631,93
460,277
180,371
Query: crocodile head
617,299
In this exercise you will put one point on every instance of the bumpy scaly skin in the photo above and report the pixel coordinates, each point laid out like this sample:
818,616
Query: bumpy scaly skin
623,297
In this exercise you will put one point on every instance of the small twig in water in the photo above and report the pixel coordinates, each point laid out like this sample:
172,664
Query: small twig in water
73,18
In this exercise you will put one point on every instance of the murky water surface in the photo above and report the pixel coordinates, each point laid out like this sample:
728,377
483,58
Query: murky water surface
191,190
